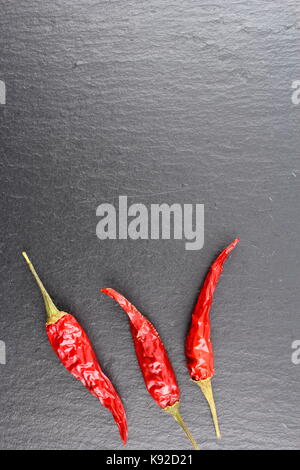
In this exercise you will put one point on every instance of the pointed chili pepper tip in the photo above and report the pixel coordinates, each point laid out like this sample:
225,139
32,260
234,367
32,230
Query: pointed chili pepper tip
106,291
110,292
124,435
233,244
223,255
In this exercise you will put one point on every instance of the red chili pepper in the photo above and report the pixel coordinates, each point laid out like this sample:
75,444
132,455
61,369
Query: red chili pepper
75,351
198,348
156,368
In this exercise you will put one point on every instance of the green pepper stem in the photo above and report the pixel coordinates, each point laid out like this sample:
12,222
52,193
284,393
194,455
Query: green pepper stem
206,388
174,411
53,314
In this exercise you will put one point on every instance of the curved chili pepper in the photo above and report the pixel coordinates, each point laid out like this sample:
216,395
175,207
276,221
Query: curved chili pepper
153,359
73,347
198,347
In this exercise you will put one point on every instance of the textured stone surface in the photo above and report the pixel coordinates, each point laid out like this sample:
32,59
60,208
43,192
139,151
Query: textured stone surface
162,101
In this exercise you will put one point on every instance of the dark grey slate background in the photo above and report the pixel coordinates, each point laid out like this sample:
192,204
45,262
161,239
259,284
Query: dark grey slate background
182,101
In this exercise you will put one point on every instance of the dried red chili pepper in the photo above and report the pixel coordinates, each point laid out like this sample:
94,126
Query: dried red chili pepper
73,347
198,348
153,359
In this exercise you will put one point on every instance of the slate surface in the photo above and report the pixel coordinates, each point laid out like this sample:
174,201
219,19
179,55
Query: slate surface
186,102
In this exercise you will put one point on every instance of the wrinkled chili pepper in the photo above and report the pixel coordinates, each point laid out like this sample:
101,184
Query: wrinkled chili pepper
198,347
155,365
73,347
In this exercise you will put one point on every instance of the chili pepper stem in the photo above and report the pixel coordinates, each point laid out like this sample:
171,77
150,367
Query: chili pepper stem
53,314
174,411
206,388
